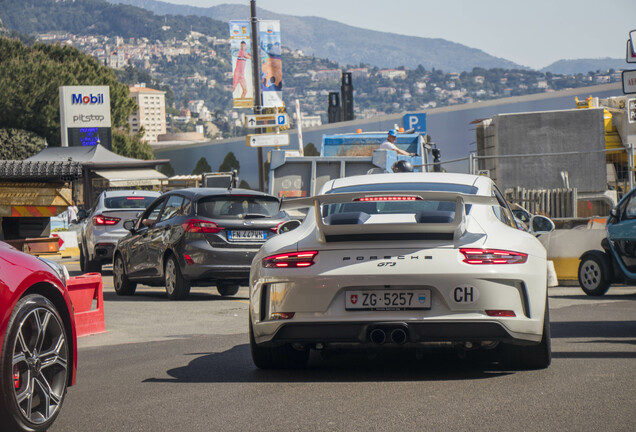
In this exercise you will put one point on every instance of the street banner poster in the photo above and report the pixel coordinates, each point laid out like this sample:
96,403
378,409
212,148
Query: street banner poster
271,63
242,76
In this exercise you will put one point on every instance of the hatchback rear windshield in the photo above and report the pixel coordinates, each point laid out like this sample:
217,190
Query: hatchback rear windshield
132,202
394,207
239,207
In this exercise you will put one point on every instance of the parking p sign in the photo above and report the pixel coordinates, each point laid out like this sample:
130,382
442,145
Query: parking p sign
415,121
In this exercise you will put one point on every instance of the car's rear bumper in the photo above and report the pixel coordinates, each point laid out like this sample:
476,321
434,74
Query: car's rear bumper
359,333
104,252
208,263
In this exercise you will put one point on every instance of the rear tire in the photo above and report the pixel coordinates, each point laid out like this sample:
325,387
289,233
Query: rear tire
90,266
82,259
280,357
227,289
534,356
177,288
123,286
594,274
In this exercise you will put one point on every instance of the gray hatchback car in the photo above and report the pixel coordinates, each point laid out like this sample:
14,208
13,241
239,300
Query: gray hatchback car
197,236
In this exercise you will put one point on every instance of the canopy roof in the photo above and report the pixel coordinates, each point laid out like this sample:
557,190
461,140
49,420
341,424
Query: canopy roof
92,157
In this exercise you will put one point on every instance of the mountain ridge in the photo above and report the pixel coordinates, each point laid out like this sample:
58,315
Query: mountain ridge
574,66
332,40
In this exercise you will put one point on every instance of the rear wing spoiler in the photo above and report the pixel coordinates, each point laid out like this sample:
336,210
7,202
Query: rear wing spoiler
456,227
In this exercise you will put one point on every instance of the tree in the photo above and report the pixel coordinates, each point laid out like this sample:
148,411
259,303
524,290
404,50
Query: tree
17,144
31,77
202,167
131,145
230,163
167,169
310,150
244,185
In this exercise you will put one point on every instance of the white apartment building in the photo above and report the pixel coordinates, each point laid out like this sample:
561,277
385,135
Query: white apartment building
151,114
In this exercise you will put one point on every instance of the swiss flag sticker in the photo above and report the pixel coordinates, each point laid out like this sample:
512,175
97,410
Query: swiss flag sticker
354,298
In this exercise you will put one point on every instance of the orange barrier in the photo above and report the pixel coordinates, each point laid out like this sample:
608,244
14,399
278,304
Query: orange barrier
83,290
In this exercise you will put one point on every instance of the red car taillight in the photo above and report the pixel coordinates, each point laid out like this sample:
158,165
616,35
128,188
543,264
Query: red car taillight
493,256
201,226
105,220
290,260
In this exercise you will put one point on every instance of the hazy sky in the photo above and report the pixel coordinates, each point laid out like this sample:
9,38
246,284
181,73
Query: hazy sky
532,33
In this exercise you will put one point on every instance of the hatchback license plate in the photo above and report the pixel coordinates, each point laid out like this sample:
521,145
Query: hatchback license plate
388,299
246,235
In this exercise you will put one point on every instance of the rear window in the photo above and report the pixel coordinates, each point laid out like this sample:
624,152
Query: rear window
132,202
394,207
239,207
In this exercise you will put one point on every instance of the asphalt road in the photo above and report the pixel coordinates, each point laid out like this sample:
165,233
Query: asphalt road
186,366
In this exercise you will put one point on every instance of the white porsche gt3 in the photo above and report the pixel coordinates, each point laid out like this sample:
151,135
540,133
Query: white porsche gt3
403,259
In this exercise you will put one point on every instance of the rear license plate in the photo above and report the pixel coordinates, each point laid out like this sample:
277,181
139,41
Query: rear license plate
246,235
388,299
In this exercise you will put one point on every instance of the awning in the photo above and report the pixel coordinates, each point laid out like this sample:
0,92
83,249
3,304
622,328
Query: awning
132,177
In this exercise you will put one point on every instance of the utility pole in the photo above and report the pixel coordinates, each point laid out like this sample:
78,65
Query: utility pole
258,100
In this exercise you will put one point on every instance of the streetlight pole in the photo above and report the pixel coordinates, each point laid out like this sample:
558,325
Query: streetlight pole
258,100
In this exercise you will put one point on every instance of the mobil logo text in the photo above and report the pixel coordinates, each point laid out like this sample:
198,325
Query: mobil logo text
87,99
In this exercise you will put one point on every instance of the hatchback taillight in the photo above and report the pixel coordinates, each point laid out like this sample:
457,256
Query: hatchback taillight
105,220
492,256
201,226
290,260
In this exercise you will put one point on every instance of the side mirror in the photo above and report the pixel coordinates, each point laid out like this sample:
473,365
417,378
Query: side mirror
81,215
541,225
287,226
614,212
129,225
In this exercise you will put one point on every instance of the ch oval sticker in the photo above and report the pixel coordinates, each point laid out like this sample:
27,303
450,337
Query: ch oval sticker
465,294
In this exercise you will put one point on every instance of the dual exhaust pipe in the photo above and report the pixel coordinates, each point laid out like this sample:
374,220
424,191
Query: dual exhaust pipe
380,335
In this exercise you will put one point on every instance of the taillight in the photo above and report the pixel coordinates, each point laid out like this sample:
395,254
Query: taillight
281,315
290,260
492,256
388,198
201,226
105,220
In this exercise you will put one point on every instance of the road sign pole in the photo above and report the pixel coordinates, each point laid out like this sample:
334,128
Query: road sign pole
258,99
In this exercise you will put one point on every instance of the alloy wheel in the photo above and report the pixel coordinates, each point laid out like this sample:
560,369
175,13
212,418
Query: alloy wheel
118,271
40,365
171,276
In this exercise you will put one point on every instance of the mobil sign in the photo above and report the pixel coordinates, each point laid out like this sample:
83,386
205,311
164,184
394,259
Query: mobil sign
85,115
86,99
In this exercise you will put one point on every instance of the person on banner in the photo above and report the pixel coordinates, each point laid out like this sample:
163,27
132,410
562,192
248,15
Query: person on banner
239,70
389,144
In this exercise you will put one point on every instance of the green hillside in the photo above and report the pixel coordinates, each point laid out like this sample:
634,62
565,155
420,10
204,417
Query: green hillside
83,17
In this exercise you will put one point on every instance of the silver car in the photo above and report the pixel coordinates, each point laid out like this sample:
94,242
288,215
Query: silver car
103,227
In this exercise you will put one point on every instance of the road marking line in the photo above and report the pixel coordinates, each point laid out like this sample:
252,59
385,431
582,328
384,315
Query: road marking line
242,301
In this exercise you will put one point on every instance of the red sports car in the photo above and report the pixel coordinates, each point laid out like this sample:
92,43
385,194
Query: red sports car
38,340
